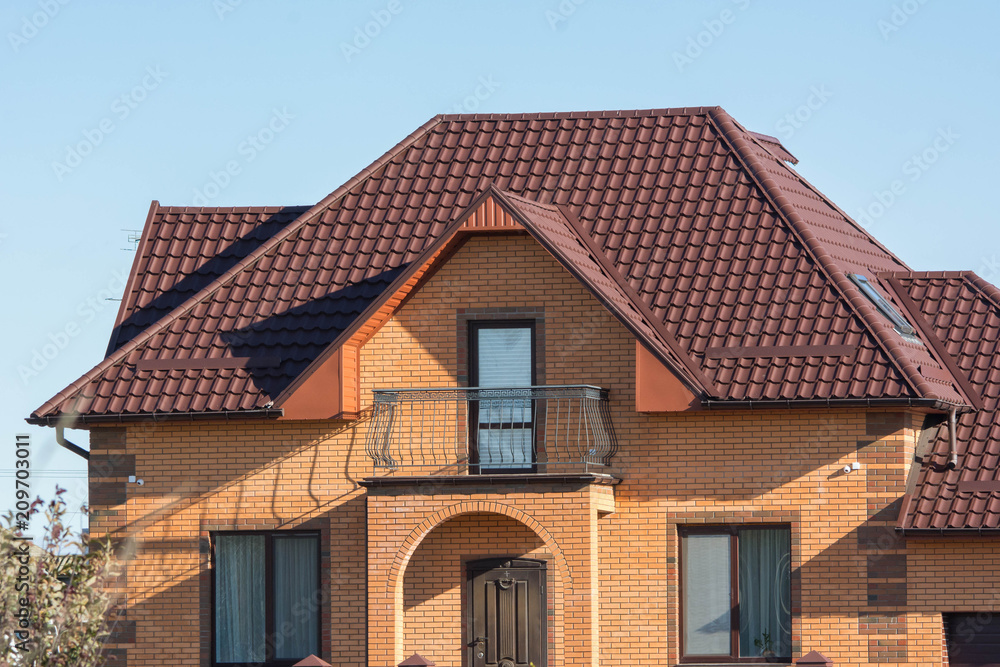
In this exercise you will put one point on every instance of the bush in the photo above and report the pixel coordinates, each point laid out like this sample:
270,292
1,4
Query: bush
55,600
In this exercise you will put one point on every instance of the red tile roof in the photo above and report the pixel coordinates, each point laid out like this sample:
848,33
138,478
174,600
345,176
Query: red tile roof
963,311
693,231
182,250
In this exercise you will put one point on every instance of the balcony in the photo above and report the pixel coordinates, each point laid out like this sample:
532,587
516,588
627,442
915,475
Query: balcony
478,430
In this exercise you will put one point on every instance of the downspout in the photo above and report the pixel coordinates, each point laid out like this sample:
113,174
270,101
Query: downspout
953,437
63,442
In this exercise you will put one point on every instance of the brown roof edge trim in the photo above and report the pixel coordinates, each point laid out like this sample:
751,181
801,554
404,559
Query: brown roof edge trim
707,386
229,275
948,532
125,307
375,165
819,195
904,508
988,289
430,268
121,418
930,403
425,256
504,199
960,379
768,141
857,301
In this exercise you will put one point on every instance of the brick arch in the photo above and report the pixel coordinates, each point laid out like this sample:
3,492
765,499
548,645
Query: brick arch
424,528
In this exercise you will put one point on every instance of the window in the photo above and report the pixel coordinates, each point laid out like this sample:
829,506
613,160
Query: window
502,356
736,593
884,307
265,597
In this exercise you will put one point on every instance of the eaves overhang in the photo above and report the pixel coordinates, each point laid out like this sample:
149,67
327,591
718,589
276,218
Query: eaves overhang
928,403
69,421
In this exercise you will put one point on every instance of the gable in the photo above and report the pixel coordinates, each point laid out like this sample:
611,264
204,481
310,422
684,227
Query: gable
500,278
497,214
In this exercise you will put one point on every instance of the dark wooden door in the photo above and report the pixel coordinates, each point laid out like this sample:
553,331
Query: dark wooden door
505,624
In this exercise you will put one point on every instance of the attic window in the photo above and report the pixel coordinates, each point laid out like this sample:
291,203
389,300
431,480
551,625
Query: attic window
883,305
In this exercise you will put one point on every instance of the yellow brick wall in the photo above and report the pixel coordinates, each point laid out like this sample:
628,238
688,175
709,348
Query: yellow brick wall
779,466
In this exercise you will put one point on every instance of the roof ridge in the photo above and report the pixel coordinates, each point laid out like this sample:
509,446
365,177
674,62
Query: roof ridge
560,115
245,208
855,300
248,261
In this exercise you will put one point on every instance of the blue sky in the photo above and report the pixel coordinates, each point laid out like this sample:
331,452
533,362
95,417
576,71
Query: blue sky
107,106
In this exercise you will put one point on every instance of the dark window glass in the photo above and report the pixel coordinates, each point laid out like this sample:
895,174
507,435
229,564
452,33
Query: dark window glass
736,599
898,321
265,597
502,362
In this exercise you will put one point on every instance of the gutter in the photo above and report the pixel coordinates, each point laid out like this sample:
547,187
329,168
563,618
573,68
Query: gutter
948,532
932,403
63,442
119,418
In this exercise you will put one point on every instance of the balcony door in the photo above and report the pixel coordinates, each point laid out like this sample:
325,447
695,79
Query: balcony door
502,363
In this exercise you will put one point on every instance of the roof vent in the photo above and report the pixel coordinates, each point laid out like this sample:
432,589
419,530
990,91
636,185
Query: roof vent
883,305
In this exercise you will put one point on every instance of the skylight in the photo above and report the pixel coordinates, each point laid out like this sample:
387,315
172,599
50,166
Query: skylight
898,321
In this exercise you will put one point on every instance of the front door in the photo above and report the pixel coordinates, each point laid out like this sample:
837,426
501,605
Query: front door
506,616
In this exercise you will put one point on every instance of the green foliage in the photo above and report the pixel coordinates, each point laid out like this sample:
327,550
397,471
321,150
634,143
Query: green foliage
764,644
54,601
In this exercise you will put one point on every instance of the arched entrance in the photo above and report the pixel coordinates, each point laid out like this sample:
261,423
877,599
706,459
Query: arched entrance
441,593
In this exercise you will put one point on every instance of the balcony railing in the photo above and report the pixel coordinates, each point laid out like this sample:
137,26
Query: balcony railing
492,430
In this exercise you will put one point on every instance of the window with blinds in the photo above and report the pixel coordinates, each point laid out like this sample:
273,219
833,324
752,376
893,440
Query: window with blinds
502,357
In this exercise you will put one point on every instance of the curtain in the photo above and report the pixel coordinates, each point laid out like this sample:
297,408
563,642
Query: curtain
504,361
765,592
707,620
239,598
296,605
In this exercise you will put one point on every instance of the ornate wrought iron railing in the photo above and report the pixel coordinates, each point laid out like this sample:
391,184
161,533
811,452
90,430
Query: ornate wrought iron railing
492,430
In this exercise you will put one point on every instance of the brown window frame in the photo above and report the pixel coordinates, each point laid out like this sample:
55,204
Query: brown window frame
473,327
269,622
733,531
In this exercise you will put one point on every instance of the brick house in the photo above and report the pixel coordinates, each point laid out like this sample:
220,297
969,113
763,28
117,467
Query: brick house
614,388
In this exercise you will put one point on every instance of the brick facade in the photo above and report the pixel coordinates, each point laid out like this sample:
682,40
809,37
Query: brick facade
393,557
